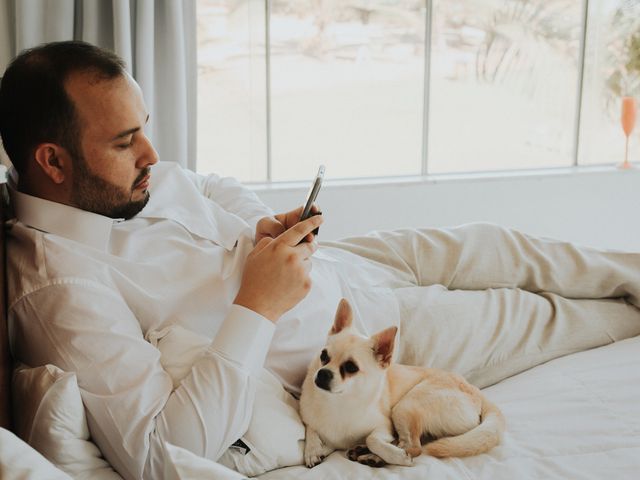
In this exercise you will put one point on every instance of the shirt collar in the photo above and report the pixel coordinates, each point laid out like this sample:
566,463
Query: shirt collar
69,222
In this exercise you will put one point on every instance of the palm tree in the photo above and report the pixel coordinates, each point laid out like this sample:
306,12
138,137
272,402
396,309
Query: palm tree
522,33
622,64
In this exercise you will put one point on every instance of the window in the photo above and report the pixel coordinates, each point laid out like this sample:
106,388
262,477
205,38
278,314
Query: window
409,87
612,70
232,91
503,84
347,87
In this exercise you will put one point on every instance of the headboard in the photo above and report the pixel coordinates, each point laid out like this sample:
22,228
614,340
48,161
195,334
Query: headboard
5,362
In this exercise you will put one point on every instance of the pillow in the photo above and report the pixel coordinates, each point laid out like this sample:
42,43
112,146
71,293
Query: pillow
276,433
181,464
18,461
50,417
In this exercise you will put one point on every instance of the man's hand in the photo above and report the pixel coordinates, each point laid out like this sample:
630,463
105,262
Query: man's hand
276,275
272,227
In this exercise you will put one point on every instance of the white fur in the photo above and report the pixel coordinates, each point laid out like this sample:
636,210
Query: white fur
377,402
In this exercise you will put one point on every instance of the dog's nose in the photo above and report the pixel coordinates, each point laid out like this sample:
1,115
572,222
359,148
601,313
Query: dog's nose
323,378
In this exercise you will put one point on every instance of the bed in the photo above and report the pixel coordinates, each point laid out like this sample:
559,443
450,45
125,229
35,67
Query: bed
575,417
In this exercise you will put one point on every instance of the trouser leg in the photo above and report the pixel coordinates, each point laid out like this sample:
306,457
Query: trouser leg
494,301
480,256
488,335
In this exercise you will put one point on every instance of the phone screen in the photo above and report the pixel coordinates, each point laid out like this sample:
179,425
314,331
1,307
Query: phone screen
313,193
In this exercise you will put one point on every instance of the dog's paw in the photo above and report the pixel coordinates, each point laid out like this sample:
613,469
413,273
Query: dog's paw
412,450
314,456
400,457
362,454
394,455
313,460
372,460
357,451
315,450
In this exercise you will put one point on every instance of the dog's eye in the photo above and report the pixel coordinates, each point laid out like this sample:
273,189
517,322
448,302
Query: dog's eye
324,357
350,367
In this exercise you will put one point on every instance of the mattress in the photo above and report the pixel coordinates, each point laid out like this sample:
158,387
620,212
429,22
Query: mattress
575,417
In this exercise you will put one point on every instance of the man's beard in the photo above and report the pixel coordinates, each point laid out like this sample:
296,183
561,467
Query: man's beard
97,195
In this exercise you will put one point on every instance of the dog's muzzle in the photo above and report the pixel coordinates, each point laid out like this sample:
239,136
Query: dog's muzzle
323,379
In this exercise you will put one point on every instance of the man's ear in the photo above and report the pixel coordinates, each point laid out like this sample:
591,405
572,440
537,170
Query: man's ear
53,160
344,317
383,343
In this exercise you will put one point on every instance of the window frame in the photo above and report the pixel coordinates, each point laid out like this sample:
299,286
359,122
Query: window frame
425,175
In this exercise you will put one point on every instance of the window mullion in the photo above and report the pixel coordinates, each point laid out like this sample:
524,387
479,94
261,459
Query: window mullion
426,83
268,85
581,59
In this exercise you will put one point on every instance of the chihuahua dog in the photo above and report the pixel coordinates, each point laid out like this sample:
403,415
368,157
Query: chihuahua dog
354,395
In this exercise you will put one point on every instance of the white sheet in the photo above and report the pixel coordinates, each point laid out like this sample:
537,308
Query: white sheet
576,417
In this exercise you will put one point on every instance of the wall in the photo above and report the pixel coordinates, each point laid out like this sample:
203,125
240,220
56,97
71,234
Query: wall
598,206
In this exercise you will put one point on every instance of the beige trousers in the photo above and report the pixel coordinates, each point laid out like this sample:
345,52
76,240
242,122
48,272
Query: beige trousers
489,302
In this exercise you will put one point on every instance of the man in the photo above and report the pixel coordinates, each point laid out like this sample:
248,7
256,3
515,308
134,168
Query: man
111,247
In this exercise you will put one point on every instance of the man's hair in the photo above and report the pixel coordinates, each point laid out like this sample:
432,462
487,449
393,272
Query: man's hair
34,105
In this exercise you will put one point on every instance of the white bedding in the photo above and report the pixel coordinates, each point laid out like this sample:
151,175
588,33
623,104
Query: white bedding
576,417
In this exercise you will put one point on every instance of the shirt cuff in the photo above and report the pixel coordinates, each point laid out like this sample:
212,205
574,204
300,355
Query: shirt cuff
244,337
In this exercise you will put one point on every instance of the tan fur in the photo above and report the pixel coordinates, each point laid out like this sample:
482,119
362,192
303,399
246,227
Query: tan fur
382,401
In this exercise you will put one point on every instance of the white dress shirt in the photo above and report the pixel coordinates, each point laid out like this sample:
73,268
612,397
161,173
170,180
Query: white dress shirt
85,290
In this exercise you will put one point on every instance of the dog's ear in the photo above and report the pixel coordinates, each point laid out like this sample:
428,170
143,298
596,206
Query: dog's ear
344,317
383,343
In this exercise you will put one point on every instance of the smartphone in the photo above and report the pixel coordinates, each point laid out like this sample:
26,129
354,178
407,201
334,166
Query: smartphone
313,193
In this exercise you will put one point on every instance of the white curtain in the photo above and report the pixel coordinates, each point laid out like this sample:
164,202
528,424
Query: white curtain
157,39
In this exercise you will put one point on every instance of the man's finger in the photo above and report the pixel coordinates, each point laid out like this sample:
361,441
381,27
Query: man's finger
263,242
292,217
272,228
300,230
306,249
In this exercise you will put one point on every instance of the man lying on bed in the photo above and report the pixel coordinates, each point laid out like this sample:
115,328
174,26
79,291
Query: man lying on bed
110,245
